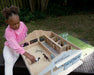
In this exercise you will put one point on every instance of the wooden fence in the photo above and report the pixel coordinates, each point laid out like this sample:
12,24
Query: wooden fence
18,3
32,4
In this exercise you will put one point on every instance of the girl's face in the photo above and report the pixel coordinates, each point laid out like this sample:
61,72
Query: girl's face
14,22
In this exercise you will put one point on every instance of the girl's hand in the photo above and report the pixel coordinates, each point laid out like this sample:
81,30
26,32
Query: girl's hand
30,57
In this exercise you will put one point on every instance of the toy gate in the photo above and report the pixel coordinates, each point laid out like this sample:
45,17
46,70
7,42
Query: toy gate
56,54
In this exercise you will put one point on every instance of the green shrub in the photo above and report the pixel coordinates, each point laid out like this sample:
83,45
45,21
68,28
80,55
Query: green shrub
58,10
23,13
2,20
26,15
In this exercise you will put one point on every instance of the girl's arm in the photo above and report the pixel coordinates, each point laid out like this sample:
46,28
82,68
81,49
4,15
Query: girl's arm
11,39
31,57
12,43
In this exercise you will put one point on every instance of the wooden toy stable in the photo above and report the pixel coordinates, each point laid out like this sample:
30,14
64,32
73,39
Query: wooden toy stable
53,46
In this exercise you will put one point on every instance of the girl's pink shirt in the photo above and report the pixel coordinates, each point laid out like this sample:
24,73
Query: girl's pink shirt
14,37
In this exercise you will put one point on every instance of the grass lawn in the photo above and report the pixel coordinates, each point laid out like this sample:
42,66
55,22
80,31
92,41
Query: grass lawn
79,25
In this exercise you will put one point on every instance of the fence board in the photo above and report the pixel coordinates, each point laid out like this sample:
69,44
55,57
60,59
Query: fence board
20,3
26,3
2,6
14,2
8,3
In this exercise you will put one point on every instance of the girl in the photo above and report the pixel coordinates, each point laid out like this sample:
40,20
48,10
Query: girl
15,32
